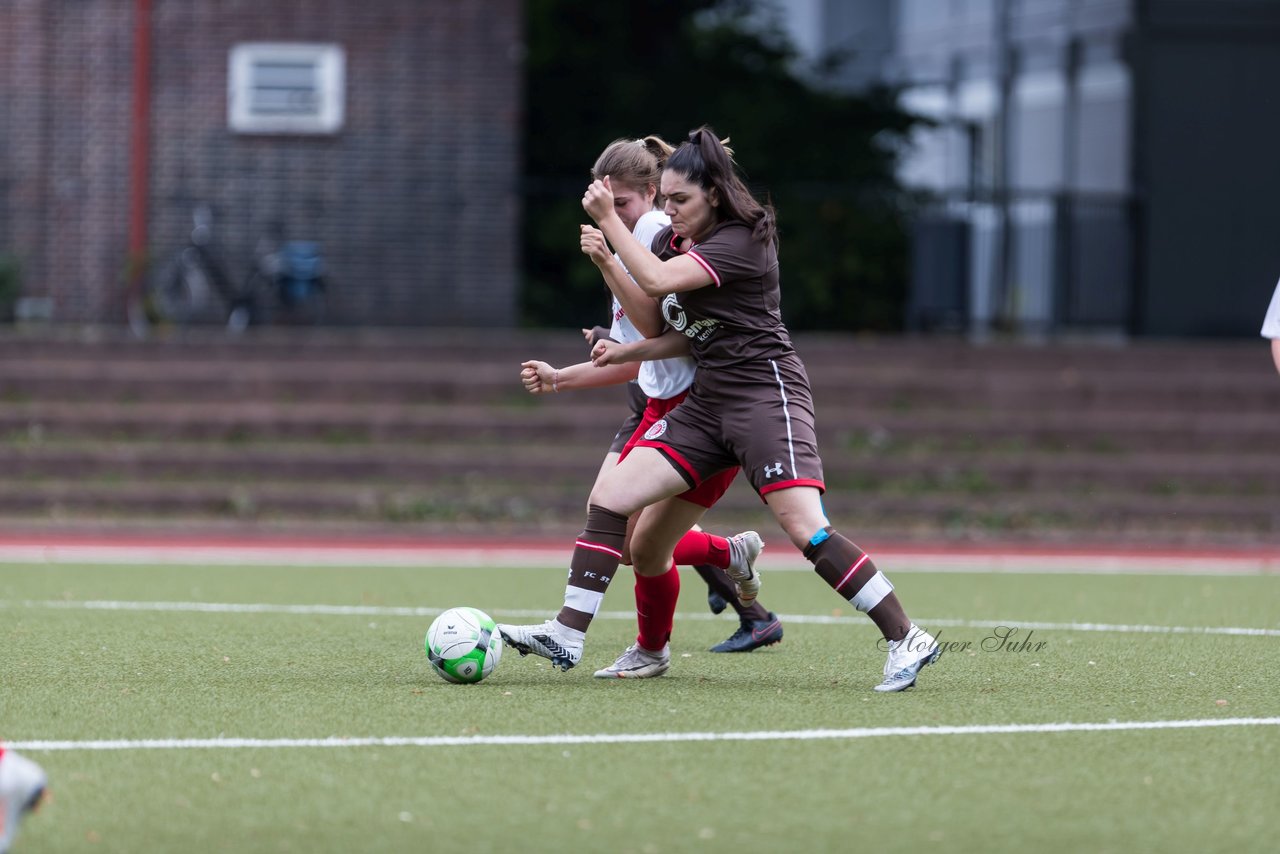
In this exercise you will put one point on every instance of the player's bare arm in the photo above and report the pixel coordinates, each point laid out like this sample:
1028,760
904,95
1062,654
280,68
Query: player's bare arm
1275,352
643,310
668,345
544,378
655,277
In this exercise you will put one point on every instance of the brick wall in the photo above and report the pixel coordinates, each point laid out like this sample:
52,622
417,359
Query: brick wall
414,201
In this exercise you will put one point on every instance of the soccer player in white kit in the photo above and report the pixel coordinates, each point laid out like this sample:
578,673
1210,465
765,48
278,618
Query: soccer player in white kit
1271,326
22,787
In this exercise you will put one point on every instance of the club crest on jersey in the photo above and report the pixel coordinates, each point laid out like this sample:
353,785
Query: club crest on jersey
657,430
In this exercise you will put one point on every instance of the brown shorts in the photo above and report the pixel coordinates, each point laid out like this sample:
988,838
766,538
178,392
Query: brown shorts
759,417
705,492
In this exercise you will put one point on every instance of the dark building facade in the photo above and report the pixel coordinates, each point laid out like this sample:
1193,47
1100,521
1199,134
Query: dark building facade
1095,165
398,151
1099,164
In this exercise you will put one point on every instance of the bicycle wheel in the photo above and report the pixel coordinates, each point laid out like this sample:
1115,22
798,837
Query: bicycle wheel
175,295
253,305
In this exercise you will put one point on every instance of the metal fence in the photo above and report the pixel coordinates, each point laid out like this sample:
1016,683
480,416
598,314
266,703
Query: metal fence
1026,262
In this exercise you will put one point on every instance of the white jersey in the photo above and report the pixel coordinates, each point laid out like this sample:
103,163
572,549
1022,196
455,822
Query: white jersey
1271,324
667,377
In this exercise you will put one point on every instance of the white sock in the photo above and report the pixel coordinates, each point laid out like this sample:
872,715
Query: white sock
571,634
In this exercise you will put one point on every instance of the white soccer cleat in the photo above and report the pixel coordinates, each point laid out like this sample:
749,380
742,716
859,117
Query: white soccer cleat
907,658
638,663
22,788
548,640
744,548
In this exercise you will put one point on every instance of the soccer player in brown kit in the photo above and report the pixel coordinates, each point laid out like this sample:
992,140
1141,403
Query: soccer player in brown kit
636,167
709,555
716,276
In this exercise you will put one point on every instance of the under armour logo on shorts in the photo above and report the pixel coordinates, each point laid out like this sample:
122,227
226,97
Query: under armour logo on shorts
770,471
656,430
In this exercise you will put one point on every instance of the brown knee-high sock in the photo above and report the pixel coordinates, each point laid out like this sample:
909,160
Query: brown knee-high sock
850,572
719,581
596,556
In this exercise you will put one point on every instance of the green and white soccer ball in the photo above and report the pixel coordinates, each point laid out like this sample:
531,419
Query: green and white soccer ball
464,645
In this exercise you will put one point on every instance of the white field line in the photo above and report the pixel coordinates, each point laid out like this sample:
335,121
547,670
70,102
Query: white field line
775,560
815,619
633,738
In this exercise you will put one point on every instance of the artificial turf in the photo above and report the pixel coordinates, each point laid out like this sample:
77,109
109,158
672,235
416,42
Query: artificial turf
73,673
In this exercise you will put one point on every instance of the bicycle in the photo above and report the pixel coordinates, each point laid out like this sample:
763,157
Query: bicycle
285,280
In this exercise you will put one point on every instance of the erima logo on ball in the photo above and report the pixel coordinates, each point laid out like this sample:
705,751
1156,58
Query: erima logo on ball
656,430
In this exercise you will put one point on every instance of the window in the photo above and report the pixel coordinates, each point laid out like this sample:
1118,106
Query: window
1039,131
286,88
1101,145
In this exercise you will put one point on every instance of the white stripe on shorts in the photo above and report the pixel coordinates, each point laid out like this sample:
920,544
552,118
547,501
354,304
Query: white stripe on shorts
782,390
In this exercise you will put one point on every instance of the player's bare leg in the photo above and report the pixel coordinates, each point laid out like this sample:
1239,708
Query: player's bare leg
658,528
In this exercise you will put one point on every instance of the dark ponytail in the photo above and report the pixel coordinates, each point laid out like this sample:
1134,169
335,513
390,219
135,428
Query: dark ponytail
706,161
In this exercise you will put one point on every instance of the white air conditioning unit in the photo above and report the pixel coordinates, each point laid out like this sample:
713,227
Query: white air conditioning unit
286,88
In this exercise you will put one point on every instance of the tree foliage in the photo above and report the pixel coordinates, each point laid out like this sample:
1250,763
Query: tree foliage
599,71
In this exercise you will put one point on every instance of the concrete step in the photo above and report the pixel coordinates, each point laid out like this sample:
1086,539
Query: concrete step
345,345
1255,518
1085,429
514,466
472,375
419,429
841,429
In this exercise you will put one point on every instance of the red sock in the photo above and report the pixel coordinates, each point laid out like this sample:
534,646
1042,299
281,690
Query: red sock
656,597
699,547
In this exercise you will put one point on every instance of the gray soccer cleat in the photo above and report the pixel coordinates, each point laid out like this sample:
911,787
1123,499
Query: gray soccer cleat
907,658
744,548
545,639
638,663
